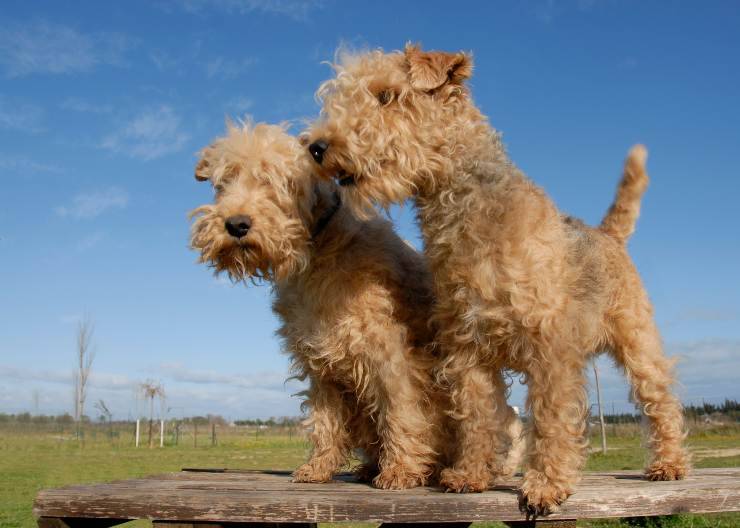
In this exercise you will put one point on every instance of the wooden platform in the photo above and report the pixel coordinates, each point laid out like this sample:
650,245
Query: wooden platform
221,497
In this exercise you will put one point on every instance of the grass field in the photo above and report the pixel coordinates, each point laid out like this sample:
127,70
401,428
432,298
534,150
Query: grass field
32,459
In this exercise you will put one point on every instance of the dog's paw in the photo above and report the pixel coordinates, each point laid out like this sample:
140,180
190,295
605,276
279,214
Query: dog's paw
308,473
541,496
398,478
459,481
667,471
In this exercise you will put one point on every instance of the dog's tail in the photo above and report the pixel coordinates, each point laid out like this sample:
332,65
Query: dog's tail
620,220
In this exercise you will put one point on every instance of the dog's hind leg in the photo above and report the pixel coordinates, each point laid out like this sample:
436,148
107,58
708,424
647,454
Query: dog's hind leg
637,347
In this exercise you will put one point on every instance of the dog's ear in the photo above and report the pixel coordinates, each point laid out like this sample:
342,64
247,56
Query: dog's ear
201,170
431,69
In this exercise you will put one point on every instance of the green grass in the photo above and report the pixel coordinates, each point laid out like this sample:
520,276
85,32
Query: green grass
33,460
30,462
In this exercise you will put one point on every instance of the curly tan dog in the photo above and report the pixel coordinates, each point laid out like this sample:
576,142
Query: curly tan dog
354,301
520,286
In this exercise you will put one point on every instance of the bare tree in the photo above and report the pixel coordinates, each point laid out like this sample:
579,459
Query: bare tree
152,390
601,412
105,415
104,411
85,357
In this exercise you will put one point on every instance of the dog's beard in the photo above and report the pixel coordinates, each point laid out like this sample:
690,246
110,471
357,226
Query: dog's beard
251,258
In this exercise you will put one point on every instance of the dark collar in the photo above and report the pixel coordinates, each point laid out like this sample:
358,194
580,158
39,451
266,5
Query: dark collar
326,217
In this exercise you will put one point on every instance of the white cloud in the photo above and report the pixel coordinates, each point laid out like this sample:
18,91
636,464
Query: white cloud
263,380
548,10
295,9
25,374
18,115
706,369
164,61
90,241
46,47
71,319
705,314
15,166
149,135
239,105
189,392
215,68
77,104
92,204
224,69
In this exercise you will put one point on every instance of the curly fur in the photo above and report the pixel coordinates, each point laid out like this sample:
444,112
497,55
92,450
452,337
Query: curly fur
519,285
354,301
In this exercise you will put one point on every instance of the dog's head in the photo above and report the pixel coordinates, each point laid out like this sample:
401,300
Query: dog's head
391,122
259,225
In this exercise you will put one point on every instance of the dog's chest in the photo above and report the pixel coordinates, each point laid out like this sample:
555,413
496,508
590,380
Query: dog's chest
310,312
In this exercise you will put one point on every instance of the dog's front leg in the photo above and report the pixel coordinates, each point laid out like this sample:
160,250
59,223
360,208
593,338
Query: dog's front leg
328,417
475,398
406,455
556,445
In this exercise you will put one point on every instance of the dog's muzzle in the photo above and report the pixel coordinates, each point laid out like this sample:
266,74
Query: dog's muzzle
317,149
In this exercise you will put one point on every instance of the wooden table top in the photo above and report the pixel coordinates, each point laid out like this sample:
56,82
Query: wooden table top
215,495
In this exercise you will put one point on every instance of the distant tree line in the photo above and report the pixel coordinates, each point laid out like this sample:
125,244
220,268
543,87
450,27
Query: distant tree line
208,419
63,419
205,420
283,421
729,408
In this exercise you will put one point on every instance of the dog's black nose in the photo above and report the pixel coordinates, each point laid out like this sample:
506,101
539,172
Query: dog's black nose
317,149
238,225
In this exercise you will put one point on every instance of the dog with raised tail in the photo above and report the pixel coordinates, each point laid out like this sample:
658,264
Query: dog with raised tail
519,285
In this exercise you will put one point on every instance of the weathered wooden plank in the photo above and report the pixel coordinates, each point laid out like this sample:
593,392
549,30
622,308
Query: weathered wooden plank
593,486
254,481
176,524
251,498
55,522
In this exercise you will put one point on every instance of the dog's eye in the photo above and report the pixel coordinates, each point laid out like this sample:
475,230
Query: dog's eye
218,188
385,97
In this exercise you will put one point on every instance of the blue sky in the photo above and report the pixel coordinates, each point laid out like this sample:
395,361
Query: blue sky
103,106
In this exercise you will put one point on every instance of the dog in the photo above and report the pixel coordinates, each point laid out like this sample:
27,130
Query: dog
519,285
353,298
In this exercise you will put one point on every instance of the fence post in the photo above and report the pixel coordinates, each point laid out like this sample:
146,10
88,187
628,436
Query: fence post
161,433
213,434
195,435
138,427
